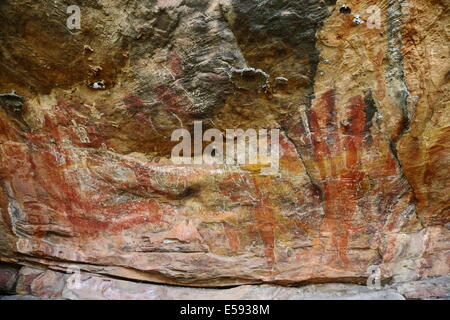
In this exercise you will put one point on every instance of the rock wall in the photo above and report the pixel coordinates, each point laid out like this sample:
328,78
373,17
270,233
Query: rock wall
86,174
32,283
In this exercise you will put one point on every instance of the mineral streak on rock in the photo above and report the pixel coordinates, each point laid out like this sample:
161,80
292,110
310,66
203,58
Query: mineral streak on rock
86,176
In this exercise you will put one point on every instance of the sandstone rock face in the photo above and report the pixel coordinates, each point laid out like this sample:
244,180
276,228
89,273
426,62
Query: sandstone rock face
426,289
85,140
32,283
56,285
8,279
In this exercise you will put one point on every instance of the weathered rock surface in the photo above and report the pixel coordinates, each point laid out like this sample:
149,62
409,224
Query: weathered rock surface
435,288
47,284
86,176
8,278
55,285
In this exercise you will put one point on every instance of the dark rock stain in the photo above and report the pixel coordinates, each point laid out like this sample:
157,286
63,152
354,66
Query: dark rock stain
370,110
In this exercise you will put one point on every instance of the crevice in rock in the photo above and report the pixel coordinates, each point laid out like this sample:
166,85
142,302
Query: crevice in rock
314,184
396,79
158,278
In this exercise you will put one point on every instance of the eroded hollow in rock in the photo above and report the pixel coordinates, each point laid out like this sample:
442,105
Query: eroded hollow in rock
344,9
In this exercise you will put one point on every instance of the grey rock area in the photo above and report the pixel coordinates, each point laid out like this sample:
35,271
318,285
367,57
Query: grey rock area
48,284
434,288
8,278
23,297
